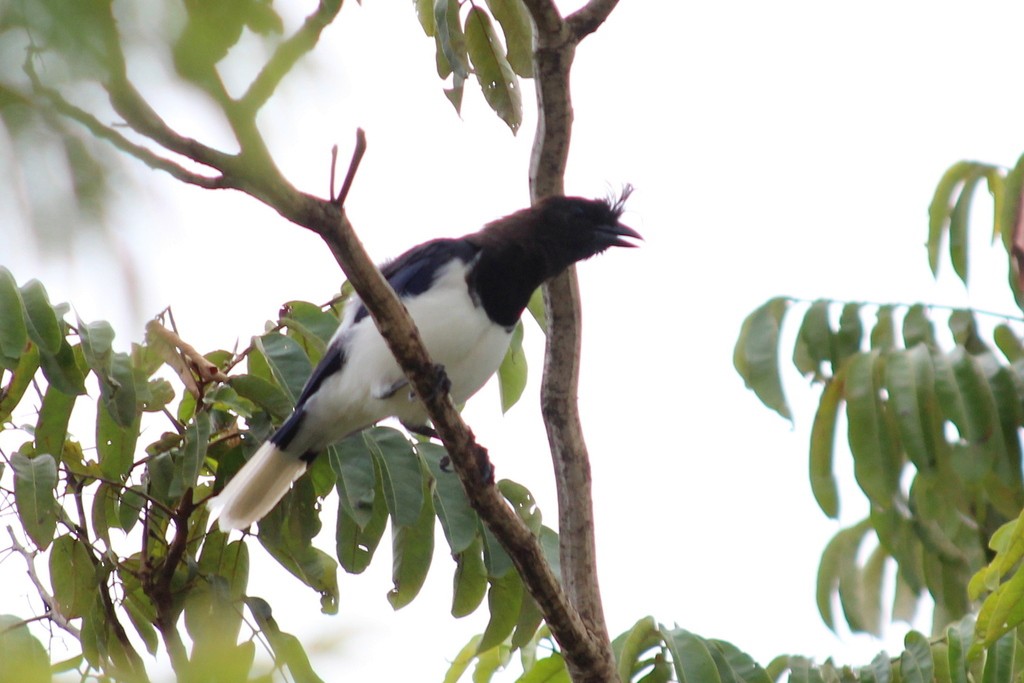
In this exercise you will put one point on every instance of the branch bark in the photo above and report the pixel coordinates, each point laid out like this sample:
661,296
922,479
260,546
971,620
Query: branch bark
554,51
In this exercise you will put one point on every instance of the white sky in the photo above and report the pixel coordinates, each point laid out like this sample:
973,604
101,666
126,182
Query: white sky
776,148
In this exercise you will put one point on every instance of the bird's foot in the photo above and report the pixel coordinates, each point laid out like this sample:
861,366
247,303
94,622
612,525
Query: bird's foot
442,383
422,430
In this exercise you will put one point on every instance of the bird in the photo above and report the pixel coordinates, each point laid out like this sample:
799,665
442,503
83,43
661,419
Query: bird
465,296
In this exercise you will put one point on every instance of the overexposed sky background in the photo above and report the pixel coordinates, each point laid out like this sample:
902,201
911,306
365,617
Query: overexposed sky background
776,148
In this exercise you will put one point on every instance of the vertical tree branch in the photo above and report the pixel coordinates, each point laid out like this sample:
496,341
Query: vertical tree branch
554,52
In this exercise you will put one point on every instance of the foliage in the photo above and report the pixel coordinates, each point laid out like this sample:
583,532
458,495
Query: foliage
933,426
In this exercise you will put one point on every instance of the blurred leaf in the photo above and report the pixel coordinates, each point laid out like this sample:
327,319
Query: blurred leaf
263,393
958,224
470,581
633,643
876,465
517,27
883,334
504,599
20,381
287,532
941,205
529,620
916,660
355,540
288,362
690,656
917,328
25,659
115,444
1008,342
462,660
458,519
496,560
497,80
62,370
450,39
823,437
837,573
52,425
412,548
734,664
512,371
193,454
756,356
425,14
910,383
846,341
400,471
287,648
999,662
551,669
958,641
352,462
813,341
35,480
523,503
72,576
43,322
13,327
97,339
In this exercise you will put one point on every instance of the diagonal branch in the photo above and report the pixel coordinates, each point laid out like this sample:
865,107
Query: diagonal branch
287,54
589,18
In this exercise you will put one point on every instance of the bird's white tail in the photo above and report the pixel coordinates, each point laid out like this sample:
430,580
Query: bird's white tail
256,488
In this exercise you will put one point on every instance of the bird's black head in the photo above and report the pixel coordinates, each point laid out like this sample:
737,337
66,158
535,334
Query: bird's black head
581,228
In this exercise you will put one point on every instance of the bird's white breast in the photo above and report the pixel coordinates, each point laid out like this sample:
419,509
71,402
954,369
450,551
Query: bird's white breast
457,333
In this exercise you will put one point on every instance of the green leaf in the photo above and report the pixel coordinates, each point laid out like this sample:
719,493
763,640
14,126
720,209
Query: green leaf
115,444
876,465
425,14
958,224
355,540
537,310
548,670
287,532
287,648
497,80
633,644
52,425
823,438
62,370
813,340
35,480
412,549
97,339
999,662
529,620
450,39
980,411
939,210
917,328
462,660
72,576
25,659
837,572
193,454
910,383
459,521
20,381
756,356
958,641
495,558
512,371
470,581
13,328
736,665
916,661
517,28
846,341
879,671
883,334
263,393
352,463
43,322
504,600
400,471
288,362
691,657
1008,342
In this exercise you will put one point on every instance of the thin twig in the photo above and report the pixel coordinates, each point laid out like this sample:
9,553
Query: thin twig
353,166
52,613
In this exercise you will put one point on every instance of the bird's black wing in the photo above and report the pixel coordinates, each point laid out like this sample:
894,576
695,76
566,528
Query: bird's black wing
413,272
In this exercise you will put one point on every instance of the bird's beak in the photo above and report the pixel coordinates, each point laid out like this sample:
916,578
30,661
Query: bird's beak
612,234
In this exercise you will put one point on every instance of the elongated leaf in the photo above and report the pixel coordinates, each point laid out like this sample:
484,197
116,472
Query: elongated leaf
115,444
35,480
52,425
941,205
736,665
837,573
813,340
879,671
62,370
20,380
958,224
823,437
288,362
460,663
470,582
193,453
958,641
459,521
916,661
875,465
633,643
43,322
400,471
425,14
352,462
529,620
980,412
847,339
756,355
356,541
412,548
1008,342
504,600
451,41
918,328
883,334
267,395
13,327
691,658
517,27
512,371
999,663
72,576
497,80
909,381
25,659
287,648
